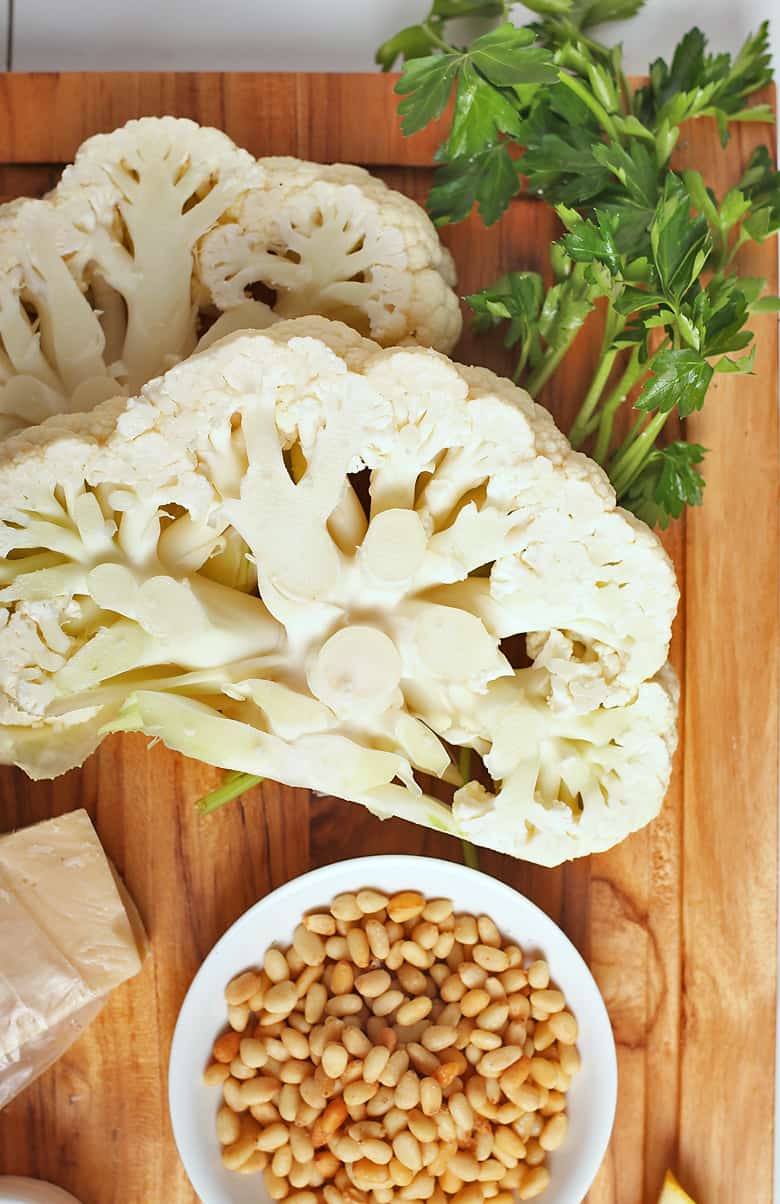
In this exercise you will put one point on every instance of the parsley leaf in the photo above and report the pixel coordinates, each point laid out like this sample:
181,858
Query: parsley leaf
669,481
679,380
414,42
680,244
426,85
482,112
489,180
507,56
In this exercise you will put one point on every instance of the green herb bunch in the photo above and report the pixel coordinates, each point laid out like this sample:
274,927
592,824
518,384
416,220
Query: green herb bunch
654,249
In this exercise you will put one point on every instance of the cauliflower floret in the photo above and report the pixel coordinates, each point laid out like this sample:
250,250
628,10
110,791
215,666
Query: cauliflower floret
158,239
300,555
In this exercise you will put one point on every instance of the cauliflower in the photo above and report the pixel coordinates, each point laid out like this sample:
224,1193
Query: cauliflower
163,236
303,556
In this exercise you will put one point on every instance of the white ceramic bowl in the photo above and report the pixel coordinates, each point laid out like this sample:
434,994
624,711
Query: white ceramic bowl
32,1191
193,1105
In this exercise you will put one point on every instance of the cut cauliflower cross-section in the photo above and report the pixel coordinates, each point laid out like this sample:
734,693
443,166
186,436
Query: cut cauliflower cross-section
302,556
164,235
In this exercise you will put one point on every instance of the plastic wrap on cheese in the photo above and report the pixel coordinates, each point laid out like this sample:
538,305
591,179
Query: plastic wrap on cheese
69,934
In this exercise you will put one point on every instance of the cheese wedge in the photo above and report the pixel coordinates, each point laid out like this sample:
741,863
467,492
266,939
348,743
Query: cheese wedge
67,938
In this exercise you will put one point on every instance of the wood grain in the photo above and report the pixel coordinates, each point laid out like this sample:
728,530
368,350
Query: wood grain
679,922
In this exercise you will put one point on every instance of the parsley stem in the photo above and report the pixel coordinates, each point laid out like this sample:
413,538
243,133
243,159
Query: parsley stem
548,364
628,464
470,855
634,370
233,784
434,38
582,424
586,96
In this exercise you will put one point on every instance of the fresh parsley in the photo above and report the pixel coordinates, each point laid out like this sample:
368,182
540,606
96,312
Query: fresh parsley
547,107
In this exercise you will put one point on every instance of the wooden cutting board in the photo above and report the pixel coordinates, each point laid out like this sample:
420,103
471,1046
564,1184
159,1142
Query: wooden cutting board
678,923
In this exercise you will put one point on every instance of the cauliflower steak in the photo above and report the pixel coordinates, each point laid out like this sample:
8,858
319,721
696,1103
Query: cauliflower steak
163,235
301,555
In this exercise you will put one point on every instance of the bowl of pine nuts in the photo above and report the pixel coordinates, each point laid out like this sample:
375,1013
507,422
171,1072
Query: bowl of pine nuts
353,1039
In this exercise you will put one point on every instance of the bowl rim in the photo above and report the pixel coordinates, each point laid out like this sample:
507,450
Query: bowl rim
587,1165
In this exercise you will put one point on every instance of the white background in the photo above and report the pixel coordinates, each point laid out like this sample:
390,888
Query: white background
301,35
290,35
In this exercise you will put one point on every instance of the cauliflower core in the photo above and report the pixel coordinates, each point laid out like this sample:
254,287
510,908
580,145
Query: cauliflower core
301,555
164,235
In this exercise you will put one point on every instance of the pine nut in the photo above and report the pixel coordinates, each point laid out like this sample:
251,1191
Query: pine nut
474,1002
430,1096
377,1150
465,1166
375,1062
481,1039
494,1017
537,1181
256,1162
275,965
314,1006
345,907
378,939
359,1092
437,910
407,1150
413,1011
243,987
334,1060
326,1125
425,934
453,989
276,1186
357,944
252,1052
564,1027
488,931
344,1005
423,1128
407,1092
444,945
490,959
466,932
539,975
446,1073
404,906
423,1061
320,922
439,1036
235,1155
472,975
496,1061
228,1125
355,1041
412,981
396,1066
336,947
373,984
387,1003
215,1074
370,901
309,946
281,998
238,1016
548,1000
400,1174
416,956
295,1043
289,1101
273,1137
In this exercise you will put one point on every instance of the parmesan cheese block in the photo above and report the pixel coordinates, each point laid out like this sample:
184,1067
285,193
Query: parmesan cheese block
68,936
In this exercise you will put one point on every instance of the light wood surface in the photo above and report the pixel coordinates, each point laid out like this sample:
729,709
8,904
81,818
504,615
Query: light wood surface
678,923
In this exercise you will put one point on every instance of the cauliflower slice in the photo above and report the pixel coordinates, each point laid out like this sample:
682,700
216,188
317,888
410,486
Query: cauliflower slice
300,555
161,235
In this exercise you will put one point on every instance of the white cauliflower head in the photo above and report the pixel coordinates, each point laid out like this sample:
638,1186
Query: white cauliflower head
164,235
303,556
